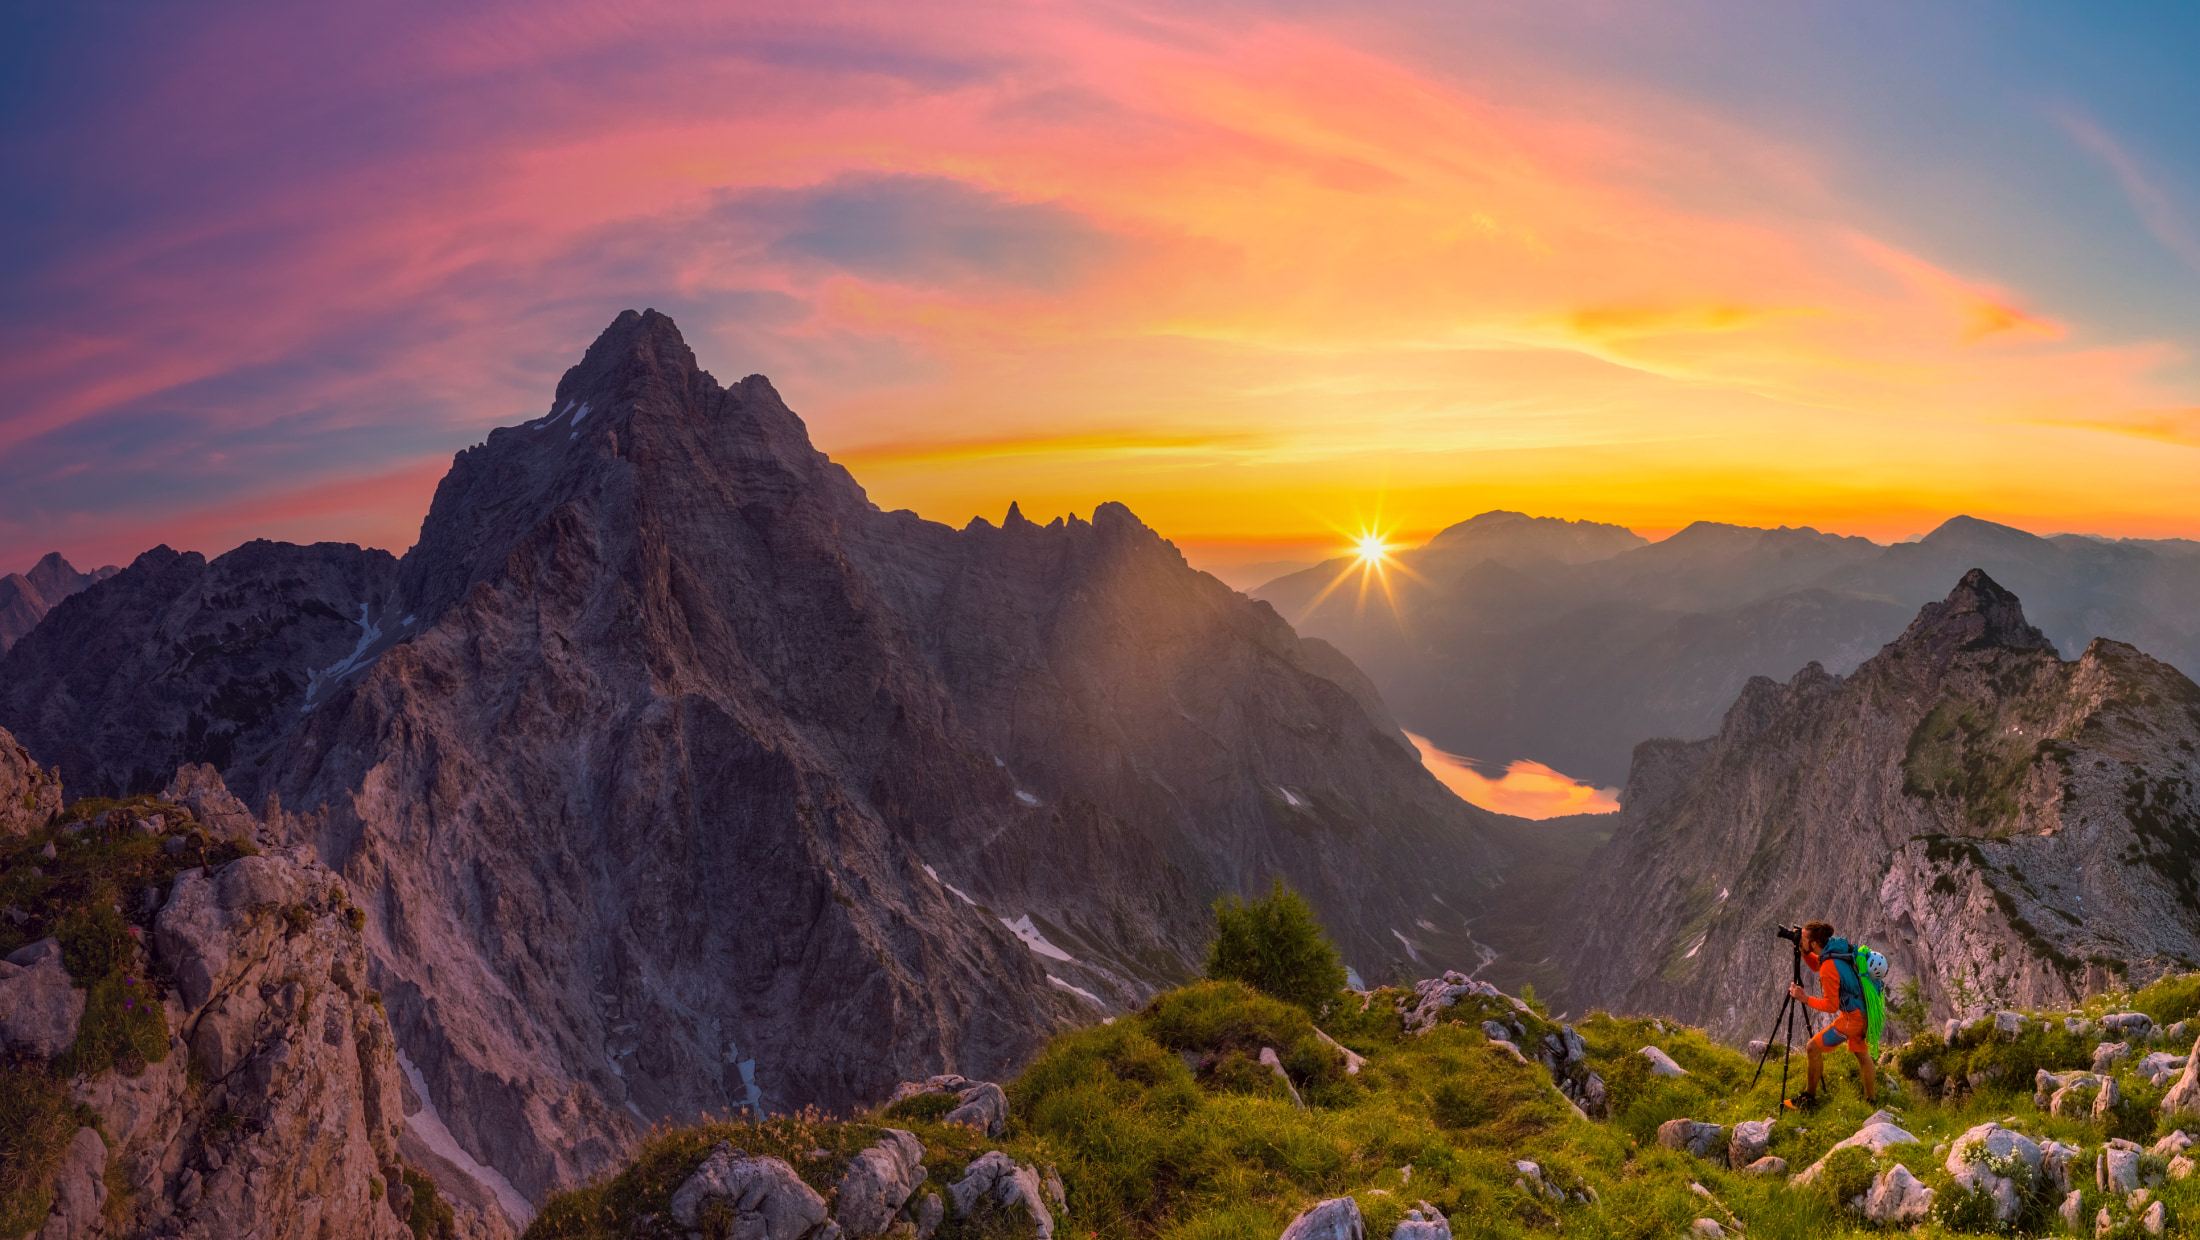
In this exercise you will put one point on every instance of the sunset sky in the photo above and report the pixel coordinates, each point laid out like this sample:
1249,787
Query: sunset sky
1263,271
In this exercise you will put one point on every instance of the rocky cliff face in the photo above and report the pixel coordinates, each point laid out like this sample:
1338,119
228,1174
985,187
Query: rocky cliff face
2010,827
25,598
177,660
229,1069
675,776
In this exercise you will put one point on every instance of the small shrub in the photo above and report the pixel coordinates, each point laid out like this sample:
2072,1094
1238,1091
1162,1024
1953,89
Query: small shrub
431,1215
125,1028
1276,946
357,917
922,1106
1848,1173
297,920
95,941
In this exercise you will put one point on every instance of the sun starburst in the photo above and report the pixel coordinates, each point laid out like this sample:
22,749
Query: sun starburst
1369,558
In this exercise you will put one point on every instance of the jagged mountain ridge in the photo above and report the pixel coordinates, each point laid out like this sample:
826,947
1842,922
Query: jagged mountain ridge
2011,827
1568,642
177,660
25,598
676,776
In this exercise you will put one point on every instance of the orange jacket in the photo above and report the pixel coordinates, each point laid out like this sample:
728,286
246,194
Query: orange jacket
1829,983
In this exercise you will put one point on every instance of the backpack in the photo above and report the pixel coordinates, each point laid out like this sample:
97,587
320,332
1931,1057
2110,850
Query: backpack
1863,974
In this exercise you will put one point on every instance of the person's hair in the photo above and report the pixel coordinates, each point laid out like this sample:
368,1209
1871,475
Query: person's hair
1817,933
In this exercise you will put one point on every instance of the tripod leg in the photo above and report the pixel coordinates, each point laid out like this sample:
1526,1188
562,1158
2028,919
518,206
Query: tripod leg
1777,1017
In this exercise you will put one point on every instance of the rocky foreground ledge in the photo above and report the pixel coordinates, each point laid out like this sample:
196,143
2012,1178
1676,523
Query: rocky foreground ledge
1453,1110
188,1042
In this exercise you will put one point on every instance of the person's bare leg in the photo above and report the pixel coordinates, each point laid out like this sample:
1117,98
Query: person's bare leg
1817,1057
1871,1083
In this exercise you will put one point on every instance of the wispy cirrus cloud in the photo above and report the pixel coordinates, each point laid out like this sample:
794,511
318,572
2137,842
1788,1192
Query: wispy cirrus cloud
2164,218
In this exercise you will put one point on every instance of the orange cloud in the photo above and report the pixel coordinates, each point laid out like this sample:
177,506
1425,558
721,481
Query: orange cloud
1241,274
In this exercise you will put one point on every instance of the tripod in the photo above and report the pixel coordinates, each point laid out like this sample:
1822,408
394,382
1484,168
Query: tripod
1789,1008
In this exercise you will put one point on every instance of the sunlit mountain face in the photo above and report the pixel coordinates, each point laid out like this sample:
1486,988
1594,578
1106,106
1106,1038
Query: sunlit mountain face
1250,268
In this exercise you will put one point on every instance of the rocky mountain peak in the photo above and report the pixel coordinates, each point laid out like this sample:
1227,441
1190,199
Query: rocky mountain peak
1970,532
1977,615
25,598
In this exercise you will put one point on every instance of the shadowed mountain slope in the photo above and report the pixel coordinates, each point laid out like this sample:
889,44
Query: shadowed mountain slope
676,776
2009,827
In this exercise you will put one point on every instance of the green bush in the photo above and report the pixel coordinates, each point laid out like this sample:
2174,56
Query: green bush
431,1215
923,1106
1276,946
1848,1173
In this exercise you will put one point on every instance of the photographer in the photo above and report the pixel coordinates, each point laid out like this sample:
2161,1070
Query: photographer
1840,992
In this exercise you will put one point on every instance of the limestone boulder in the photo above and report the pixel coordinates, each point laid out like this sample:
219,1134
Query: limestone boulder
2117,1170
878,1182
2161,1066
1695,1137
2106,1055
1973,1160
2183,1097
1768,1165
2057,1159
1878,1138
994,1176
39,1007
1897,1198
1661,1063
770,1201
1335,1219
1422,1222
1751,1140
979,1104
1425,1006
2137,1026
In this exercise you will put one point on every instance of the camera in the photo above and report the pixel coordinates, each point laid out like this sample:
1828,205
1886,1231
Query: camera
1793,934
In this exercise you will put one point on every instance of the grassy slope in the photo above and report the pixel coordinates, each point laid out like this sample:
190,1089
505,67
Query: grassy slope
1165,1129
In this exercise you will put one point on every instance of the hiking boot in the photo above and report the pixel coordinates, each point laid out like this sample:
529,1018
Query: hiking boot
1805,1101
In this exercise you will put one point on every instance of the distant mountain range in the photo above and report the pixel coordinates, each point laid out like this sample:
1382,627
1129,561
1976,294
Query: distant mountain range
25,598
1568,642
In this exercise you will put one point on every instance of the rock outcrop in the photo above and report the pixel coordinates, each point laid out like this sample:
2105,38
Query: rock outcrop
674,776
995,1178
39,1006
878,1183
275,1108
770,1202
1335,1219
1986,1160
30,795
2008,827
979,1104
